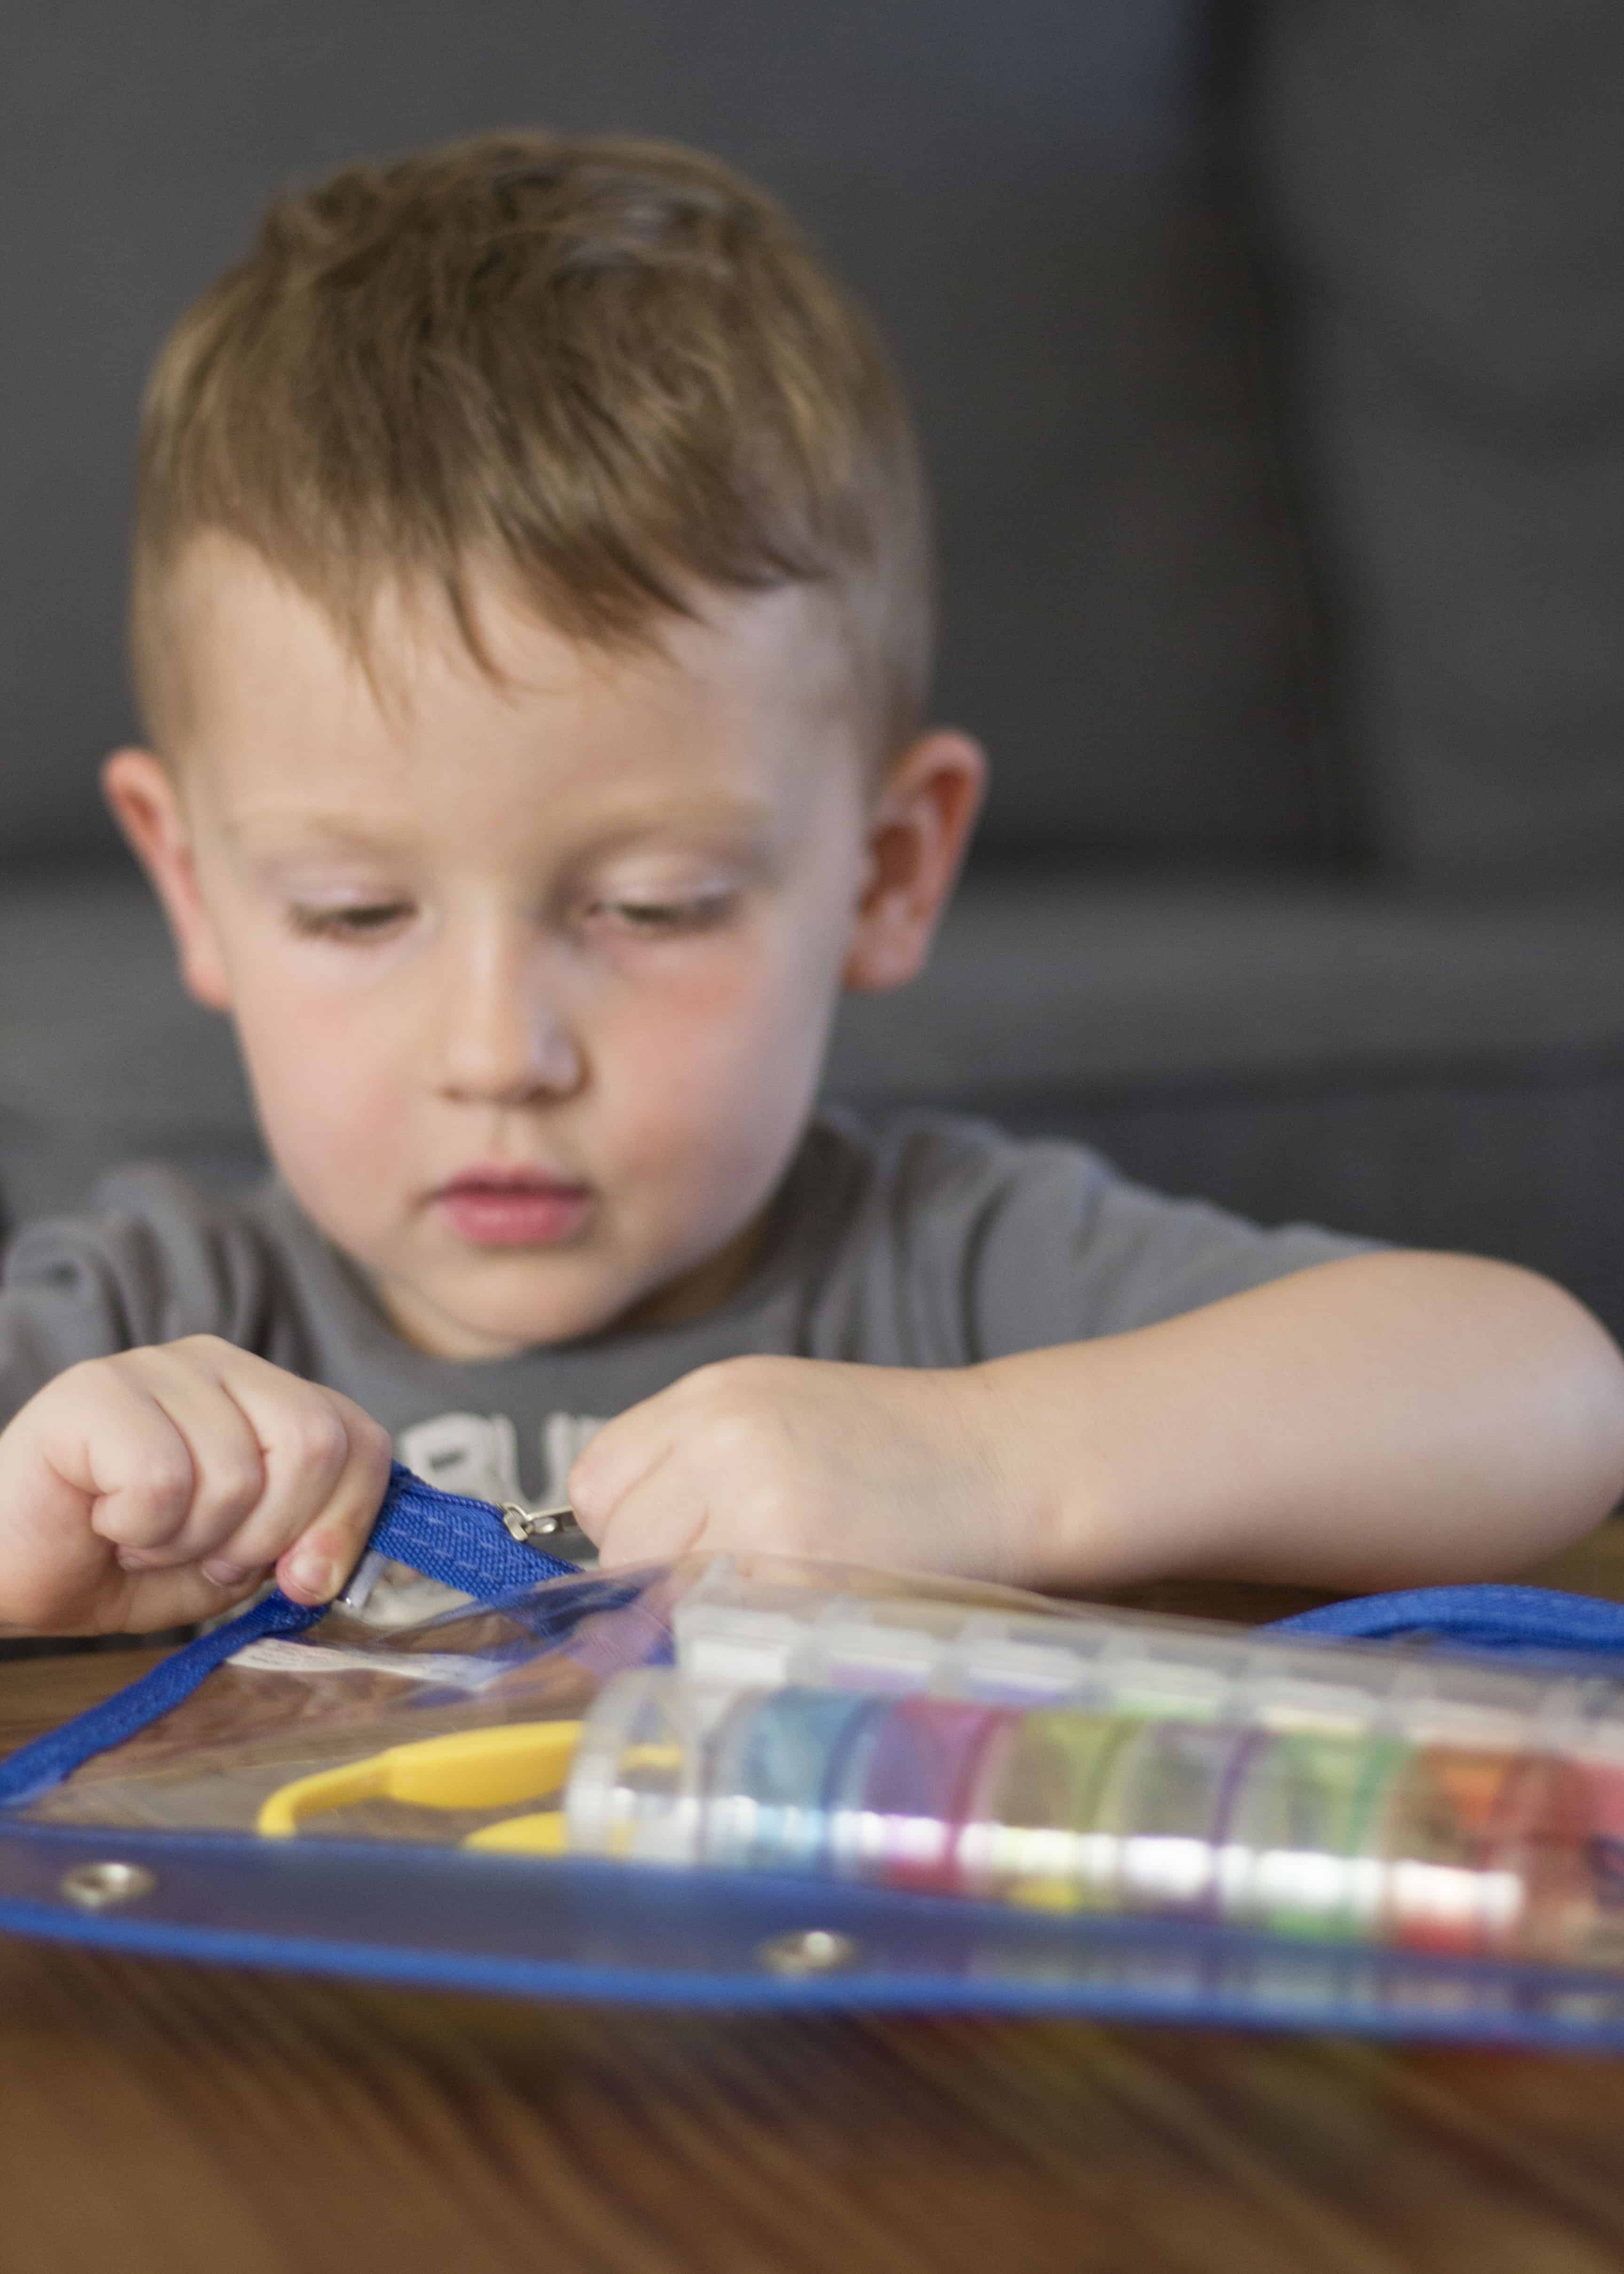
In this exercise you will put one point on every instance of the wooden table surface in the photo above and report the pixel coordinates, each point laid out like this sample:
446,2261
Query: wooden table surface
164,2119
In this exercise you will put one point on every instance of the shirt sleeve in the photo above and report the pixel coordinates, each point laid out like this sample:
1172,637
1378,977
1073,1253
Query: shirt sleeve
152,1260
1032,1243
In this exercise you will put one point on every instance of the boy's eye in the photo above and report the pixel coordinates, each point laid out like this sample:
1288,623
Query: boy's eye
663,916
360,923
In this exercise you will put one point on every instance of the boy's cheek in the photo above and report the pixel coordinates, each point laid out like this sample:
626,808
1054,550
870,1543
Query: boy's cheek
327,1107
718,1077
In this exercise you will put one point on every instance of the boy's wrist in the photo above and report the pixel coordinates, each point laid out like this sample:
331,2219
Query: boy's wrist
1047,1507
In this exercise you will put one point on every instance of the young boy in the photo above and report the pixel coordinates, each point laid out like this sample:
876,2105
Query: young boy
531,618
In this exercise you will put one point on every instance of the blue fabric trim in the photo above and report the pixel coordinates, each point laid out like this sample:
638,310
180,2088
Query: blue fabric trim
1501,1619
1449,2019
601,1930
32,1769
446,1536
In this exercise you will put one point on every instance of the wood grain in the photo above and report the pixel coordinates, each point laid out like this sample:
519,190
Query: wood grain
162,2118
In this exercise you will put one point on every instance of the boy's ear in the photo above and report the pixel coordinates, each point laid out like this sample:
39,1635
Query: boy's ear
141,794
918,827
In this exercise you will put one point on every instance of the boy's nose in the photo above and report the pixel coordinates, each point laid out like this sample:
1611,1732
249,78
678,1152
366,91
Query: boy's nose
501,1046
543,1063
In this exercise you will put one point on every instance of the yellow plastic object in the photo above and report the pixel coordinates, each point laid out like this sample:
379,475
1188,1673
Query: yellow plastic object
474,1768
523,1835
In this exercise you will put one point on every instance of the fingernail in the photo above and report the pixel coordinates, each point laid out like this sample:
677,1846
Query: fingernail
315,1574
135,1559
228,1574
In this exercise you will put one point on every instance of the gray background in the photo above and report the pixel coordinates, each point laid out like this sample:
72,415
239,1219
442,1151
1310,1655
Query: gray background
1033,198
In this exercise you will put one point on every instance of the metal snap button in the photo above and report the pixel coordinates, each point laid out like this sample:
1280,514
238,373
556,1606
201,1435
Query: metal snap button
103,1887
815,1950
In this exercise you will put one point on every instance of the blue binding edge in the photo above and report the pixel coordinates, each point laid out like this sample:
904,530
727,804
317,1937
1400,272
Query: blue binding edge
1481,1617
446,1536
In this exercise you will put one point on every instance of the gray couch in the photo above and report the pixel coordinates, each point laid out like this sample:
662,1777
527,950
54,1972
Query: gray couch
1272,365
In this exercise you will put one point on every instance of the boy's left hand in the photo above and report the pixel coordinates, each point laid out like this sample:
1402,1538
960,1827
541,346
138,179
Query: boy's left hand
875,1465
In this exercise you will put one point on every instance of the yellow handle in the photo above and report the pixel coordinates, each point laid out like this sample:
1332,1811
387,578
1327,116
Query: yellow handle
523,1835
473,1768
548,1835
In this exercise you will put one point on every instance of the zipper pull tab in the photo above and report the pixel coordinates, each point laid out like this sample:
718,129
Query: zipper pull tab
530,1524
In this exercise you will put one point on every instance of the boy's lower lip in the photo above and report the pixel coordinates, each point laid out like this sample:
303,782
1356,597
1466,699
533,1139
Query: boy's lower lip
522,1216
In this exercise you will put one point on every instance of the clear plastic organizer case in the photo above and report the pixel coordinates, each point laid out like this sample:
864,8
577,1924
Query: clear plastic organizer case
823,1728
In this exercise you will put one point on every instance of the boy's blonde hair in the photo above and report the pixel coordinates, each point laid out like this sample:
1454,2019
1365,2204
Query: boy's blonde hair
609,368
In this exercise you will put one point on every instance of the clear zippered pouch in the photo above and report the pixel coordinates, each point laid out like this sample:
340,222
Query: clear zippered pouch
749,1779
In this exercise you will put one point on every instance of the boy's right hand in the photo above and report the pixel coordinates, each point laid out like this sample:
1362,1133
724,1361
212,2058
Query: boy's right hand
158,1488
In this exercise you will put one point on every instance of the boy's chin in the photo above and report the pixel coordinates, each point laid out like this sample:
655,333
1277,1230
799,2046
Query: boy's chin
492,1304
456,1320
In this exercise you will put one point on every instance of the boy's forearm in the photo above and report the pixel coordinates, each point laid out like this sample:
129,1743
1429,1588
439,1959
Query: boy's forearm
1387,1420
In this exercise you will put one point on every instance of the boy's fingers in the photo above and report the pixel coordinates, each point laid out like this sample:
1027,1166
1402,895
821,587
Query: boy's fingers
319,1563
709,1458
661,1516
173,1598
621,1455
154,1488
92,1446
320,1468
303,1443
276,1465
126,1453
226,1472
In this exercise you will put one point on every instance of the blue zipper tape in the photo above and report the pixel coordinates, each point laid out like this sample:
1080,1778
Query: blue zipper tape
445,1535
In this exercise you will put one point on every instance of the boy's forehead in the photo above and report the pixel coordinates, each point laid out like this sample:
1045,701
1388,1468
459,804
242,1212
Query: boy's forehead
339,817
251,657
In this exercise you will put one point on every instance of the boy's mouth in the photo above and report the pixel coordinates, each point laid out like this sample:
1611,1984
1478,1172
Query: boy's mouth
513,1207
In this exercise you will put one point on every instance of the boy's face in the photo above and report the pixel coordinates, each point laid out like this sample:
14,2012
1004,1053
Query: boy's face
533,975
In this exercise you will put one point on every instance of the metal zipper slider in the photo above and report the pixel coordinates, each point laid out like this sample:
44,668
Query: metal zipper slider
530,1524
